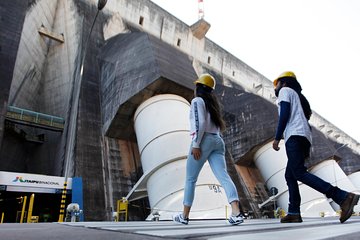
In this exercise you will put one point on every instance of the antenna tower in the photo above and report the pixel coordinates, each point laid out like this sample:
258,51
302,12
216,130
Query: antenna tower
201,9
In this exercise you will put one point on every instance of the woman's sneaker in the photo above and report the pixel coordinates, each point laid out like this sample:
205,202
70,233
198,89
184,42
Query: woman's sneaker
179,218
236,220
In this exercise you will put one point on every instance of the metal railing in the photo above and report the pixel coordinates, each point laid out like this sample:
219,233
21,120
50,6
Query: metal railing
25,115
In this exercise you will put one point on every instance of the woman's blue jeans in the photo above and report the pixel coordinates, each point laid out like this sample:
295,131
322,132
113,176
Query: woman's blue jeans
297,150
212,149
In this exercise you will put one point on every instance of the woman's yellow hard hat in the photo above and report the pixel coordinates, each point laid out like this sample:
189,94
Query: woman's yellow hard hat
284,74
207,80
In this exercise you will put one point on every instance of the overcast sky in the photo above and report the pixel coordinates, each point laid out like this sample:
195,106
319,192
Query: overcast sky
319,40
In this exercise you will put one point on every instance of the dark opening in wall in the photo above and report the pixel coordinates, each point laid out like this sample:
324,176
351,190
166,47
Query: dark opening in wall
178,42
233,73
209,59
141,20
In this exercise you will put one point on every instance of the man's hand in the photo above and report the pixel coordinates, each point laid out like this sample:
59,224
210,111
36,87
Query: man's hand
196,152
276,145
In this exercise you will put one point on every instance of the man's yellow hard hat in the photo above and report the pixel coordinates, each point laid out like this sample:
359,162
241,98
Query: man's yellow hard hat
284,74
207,80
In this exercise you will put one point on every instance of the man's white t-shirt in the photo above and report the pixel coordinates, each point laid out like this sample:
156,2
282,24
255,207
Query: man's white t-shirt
297,123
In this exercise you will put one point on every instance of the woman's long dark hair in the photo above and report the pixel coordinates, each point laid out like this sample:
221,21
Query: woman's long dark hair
212,104
295,85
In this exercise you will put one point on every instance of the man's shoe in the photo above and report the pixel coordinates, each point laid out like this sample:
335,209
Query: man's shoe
291,218
236,220
179,218
347,207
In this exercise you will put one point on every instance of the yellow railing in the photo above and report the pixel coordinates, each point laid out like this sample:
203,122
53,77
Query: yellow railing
122,208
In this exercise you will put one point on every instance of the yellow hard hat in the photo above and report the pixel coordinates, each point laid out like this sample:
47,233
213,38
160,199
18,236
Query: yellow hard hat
207,80
284,74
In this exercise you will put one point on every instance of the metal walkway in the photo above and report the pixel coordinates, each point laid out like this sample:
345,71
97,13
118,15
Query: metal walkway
31,118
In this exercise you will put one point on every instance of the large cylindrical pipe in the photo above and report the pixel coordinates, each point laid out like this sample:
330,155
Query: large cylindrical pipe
162,131
331,172
271,165
355,179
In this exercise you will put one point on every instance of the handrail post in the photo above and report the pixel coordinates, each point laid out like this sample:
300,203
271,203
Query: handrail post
23,209
31,203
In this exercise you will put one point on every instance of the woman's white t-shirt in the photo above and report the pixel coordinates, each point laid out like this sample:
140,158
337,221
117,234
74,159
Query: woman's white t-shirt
297,123
200,121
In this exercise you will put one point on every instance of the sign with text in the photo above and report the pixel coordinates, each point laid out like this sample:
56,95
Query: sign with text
33,180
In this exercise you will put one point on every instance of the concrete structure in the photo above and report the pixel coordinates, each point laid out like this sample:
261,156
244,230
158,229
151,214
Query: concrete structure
136,50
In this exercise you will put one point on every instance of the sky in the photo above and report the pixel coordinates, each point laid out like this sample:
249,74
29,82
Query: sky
319,40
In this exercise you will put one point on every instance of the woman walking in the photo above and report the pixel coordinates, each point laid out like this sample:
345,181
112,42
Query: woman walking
295,112
207,144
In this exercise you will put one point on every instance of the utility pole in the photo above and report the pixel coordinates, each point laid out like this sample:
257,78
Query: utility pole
72,125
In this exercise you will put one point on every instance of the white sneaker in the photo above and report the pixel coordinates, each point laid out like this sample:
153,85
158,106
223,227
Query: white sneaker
236,220
179,218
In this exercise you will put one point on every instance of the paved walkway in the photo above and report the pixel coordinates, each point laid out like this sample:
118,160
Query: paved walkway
254,229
